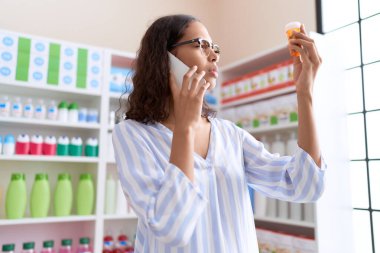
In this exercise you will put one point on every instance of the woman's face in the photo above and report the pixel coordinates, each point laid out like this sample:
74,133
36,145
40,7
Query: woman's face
192,54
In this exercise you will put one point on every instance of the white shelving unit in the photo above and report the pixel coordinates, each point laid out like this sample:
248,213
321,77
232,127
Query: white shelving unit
332,228
96,225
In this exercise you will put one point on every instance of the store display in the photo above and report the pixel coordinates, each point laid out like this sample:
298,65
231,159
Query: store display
63,195
110,195
16,197
40,196
85,195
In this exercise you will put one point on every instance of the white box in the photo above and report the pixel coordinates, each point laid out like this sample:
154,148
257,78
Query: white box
38,68
8,62
39,47
8,41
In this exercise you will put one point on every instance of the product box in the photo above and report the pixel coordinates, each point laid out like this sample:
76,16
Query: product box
39,60
120,80
8,41
94,69
8,61
68,66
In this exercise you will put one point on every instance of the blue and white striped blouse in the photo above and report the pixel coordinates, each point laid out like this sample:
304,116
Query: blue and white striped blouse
214,214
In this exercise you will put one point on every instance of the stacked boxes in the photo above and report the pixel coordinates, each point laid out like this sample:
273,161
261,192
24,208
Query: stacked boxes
8,56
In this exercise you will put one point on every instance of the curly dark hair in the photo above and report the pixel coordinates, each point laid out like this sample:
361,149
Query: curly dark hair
151,97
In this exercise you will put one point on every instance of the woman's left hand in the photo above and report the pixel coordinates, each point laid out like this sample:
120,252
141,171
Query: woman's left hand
305,66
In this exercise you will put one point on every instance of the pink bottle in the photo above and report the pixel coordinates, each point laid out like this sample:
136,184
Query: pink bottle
23,144
36,145
28,247
84,245
48,247
65,246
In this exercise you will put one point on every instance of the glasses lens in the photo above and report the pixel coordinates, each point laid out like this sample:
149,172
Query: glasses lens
205,47
217,49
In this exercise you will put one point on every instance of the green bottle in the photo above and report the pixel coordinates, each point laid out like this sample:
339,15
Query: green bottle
15,203
63,195
86,196
40,196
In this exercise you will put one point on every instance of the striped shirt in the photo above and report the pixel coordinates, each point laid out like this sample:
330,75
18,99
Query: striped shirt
214,214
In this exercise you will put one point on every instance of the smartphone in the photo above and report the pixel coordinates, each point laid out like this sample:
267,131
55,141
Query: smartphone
179,69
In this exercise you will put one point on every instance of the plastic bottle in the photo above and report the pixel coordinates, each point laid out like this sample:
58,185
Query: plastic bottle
292,144
49,147
282,209
63,113
28,247
48,247
122,244
278,146
63,195
66,246
110,195
4,107
16,110
52,111
85,195
82,115
9,145
295,211
92,116
260,204
40,196
36,145
271,207
15,202
84,245
23,144
63,146
121,203
108,245
92,147
289,28
76,146
8,248
40,110
28,108
73,113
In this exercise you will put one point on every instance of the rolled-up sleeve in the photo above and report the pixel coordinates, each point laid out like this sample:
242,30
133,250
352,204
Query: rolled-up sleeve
159,192
295,178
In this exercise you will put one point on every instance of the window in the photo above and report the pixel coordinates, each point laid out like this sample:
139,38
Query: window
355,25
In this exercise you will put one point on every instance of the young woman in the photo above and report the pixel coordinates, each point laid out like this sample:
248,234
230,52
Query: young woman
185,172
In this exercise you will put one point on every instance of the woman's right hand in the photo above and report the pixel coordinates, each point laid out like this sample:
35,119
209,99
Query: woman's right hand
188,102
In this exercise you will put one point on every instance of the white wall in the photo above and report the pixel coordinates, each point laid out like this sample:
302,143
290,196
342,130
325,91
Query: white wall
241,27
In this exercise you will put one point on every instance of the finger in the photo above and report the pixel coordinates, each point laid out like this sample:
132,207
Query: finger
203,89
303,30
197,81
187,78
305,37
296,59
310,48
304,57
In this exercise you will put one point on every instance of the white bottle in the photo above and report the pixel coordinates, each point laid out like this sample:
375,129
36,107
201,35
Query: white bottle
278,146
308,209
28,108
16,110
112,119
121,201
282,209
271,207
52,111
110,195
260,204
292,144
40,110
295,211
4,106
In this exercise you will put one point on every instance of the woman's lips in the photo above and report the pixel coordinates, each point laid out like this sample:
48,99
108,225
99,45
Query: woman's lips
214,73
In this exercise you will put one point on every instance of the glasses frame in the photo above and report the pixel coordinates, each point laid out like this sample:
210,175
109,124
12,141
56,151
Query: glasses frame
199,41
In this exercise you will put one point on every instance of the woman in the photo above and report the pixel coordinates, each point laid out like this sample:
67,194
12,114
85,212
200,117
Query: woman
184,172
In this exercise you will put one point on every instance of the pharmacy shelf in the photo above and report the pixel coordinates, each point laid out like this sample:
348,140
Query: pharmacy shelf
119,216
23,88
262,96
276,128
27,221
114,96
9,121
42,158
286,222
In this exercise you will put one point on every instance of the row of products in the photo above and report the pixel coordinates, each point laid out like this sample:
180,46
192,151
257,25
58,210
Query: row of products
267,79
64,112
37,145
115,200
120,80
121,245
48,247
277,242
272,112
16,196
45,62
285,144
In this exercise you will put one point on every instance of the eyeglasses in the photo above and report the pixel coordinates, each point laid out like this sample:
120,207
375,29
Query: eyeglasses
205,46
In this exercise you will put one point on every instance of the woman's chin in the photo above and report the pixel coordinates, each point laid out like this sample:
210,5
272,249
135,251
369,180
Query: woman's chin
212,82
